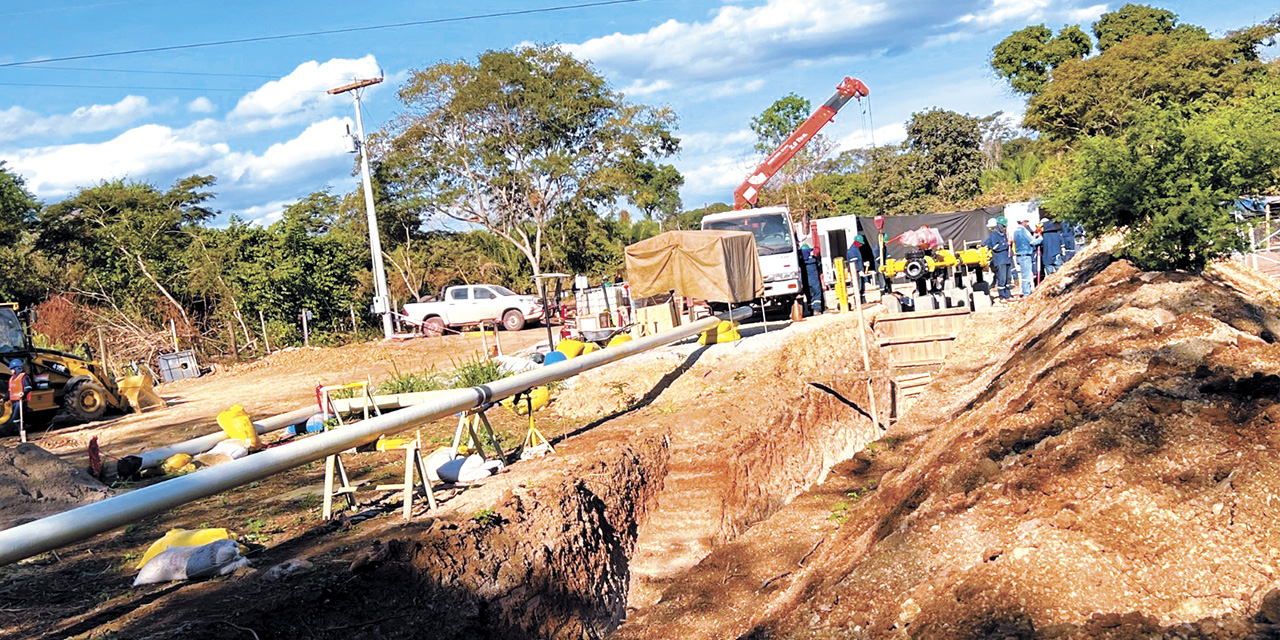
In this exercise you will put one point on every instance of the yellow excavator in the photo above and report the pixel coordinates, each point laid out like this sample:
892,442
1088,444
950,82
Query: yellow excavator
60,382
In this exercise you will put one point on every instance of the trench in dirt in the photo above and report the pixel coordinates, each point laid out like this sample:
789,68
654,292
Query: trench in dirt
682,451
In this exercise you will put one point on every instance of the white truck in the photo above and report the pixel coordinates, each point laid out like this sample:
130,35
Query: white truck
776,243
471,304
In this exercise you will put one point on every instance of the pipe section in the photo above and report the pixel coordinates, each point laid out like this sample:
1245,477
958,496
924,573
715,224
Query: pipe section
77,524
195,446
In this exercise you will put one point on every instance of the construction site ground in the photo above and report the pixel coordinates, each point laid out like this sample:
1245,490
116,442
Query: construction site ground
1098,460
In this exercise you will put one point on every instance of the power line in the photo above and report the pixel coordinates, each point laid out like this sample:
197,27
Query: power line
328,32
148,71
132,88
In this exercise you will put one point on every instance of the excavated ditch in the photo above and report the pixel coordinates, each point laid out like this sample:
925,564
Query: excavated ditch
679,453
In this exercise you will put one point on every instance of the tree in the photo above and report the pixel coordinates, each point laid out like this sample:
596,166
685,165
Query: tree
1167,180
1027,57
790,185
518,138
950,148
1132,20
17,206
656,189
128,236
775,124
1106,93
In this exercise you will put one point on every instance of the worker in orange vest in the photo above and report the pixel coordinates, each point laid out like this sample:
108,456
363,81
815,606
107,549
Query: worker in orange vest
19,386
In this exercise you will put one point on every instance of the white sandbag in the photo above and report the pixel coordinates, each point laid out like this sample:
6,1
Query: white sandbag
438,458
219,557
468,469
232,448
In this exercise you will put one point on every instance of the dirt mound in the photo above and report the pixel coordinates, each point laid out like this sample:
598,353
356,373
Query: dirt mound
35,483
1099,462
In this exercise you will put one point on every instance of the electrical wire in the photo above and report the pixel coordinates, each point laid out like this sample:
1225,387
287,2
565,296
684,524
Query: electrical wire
134,88
327,32
152,72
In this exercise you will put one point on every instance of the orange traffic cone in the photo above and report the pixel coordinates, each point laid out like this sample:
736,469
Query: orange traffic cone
797,311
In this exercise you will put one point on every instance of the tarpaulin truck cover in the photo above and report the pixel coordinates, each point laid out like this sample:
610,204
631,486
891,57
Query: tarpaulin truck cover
718,266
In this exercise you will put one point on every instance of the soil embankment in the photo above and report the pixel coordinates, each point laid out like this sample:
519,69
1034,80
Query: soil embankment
1101,462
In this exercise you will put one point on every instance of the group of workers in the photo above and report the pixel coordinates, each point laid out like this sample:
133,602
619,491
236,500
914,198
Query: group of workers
1037,252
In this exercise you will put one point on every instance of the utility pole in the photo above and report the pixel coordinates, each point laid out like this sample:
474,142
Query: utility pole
381,301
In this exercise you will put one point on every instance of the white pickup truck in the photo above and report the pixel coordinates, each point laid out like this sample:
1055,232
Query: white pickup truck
473,303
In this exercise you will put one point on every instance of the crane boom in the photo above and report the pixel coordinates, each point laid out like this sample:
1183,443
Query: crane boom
749,191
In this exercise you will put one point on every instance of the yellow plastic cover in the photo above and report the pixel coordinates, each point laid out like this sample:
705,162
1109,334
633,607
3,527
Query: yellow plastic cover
184,538
239,426
718,266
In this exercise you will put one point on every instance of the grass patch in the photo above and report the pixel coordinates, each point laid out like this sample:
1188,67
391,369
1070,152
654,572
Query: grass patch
476,371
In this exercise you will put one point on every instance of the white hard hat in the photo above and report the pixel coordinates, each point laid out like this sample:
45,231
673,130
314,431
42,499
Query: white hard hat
991,223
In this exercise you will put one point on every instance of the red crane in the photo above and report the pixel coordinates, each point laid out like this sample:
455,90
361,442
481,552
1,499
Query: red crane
747,193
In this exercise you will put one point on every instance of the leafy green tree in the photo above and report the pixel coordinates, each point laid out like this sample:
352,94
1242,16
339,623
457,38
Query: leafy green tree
656,190
517,138
772,127
949,145
1027,57
128,237
1167,180
18,207
1106,93
775,124
1132,20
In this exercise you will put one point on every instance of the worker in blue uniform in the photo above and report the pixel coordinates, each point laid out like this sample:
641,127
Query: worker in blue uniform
998,243
1051,246
1024,250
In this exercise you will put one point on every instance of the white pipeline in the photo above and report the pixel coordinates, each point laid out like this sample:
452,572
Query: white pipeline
77,524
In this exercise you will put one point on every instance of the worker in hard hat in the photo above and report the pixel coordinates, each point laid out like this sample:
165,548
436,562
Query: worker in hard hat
1001,263
856,256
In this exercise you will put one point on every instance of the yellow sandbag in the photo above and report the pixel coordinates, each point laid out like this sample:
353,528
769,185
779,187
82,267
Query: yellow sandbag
387,444
184,538
589,347
724,332
176,463
621,338
541,397
570,348
239,426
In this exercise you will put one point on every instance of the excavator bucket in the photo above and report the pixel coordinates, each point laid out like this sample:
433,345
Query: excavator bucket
140,392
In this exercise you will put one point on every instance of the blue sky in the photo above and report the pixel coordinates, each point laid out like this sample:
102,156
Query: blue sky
256,115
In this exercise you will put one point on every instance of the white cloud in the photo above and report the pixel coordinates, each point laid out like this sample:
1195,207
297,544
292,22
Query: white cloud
138,153
265,214
887,134
201,105
318,148
300,96
1002,11
642,88
700,142
17,123
740,39
715,174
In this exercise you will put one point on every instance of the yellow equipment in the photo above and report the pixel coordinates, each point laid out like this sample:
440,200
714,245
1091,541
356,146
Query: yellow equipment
975,257
60,381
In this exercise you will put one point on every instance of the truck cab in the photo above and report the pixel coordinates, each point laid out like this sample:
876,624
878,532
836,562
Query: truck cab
776,244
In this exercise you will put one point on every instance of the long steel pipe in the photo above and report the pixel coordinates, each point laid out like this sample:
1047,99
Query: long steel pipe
77,524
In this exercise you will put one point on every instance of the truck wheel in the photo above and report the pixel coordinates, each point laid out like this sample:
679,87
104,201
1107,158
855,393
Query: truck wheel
86,401
513,320
435,326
